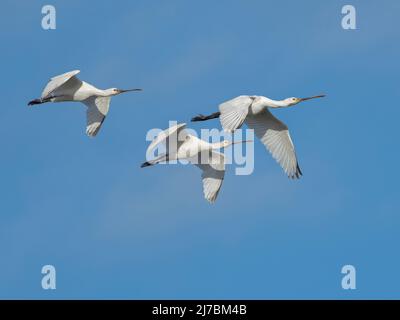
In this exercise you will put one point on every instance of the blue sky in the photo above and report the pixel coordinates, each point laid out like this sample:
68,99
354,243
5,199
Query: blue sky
113,230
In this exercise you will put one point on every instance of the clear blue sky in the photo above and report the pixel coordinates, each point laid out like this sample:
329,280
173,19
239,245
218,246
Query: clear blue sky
113,230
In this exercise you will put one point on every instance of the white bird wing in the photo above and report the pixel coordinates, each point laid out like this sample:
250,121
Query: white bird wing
274,134
212,173
58,81
234,112
178,131
97,109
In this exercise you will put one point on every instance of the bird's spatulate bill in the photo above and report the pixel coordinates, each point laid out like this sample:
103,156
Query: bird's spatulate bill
313,97
128,90
243,141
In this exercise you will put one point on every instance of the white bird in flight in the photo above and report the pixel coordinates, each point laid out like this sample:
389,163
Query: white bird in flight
181,145
272,132
67,87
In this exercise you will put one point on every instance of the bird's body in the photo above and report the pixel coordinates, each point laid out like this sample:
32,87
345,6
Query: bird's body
67,87
274,134
182,146
191,147
76,91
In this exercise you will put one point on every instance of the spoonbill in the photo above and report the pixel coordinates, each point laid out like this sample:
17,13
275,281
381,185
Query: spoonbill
272,132
67,87
181,145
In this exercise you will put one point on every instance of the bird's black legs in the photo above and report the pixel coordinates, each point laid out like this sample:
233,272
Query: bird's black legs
35,101
38,101
146,164
149,163
200,117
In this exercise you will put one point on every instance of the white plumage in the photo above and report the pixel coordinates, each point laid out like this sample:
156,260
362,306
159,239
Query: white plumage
234,112
181,145
67,87
273,133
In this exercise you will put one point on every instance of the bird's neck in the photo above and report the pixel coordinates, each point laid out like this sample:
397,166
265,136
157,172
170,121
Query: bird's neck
93,90
267,102
106,93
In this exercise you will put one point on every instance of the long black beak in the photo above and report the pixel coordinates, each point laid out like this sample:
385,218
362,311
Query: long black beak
242,141
128,90
314,97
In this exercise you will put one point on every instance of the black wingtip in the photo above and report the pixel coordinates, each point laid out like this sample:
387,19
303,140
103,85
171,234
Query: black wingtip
297,174
299,170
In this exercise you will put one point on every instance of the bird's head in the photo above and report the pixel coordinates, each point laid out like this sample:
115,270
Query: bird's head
293,100
225,143
116,91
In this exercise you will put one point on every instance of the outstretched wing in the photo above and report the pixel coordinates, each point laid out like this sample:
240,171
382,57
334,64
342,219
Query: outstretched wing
213,171
274,134
97,109
234,112
58,81
177,133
